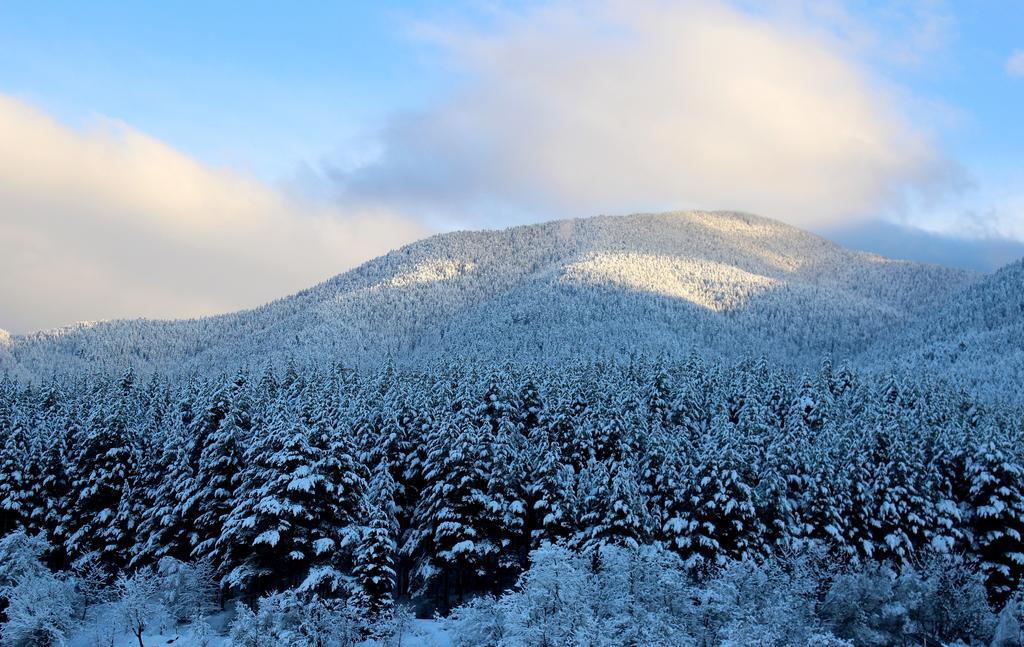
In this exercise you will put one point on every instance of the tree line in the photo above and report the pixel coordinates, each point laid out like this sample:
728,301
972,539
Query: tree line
436,485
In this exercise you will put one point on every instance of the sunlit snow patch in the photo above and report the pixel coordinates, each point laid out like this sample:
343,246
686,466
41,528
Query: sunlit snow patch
432,272
709,284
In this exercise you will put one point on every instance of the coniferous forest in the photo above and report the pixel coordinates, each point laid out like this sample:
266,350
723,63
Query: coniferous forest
498,323
529,504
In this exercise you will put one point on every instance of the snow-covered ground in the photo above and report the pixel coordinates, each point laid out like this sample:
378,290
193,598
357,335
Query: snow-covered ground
424,633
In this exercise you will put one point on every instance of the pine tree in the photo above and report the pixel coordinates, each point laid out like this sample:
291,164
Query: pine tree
903,514
344,484
287,525
375,555
713,518
948,482
103,469
450,514
18,484
613,510
997,519
57,473
219,468
161,530
506,497
777,499
824,508
196,490
549,492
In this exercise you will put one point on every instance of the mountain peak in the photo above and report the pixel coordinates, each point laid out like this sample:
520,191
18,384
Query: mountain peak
721,283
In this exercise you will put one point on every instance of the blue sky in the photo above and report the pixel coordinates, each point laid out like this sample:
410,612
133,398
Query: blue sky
365,125
207,77
970,76
245,84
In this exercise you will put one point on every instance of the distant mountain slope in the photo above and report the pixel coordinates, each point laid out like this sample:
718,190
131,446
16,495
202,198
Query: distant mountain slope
716,283
5,344
977,336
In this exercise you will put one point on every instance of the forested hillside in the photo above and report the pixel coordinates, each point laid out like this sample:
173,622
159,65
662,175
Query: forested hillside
719,284
975,338
434,485
555,434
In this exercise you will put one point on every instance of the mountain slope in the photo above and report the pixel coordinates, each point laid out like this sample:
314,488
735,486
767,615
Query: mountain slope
977,337
717,283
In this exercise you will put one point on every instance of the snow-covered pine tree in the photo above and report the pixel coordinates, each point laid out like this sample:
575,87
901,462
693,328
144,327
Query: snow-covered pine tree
450,515
613,512
657,395
948,483
713,518
657,465
777,496
18,482
374,567
573,424
997,518
344,483
151,469
549,491
822,509
219,466
213,405
898,522
161,532
290,518
165,530
103,468
506,468
407,472
532,410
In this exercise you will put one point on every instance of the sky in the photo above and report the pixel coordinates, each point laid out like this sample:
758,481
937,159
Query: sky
189,158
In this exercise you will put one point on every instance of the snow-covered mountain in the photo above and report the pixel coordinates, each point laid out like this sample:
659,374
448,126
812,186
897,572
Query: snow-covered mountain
720,284
977,336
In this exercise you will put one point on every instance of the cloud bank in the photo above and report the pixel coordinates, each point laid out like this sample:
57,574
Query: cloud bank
108,222
572,109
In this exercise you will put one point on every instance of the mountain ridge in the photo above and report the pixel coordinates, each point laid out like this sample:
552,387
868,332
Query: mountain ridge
721,283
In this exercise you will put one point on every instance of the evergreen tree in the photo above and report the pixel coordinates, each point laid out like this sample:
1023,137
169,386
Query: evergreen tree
375,555
549,492
161,530
506,513
18,483
103,469
219,467
713,518
195,489
450,515
613,510
997,521
287,526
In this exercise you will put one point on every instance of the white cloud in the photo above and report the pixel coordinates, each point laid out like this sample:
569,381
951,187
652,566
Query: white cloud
1015,64
109,222
573,109
989,209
